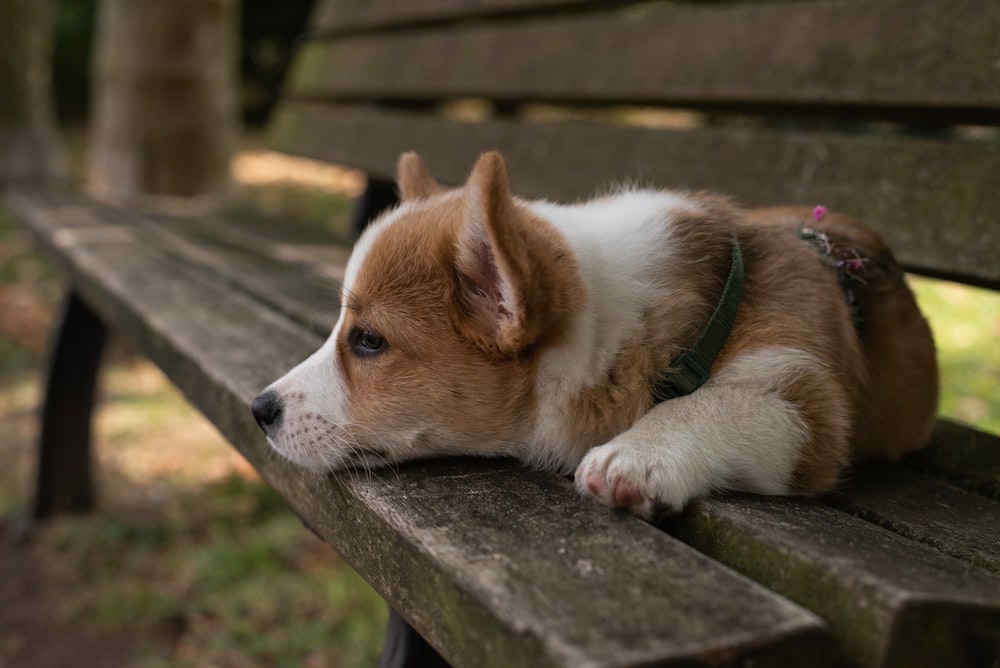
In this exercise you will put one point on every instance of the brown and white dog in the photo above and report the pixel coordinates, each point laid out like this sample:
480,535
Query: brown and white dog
477,323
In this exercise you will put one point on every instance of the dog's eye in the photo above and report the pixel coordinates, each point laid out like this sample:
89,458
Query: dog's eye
366,342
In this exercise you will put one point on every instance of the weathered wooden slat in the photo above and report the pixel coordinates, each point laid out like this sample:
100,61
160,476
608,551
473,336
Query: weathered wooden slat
886,54
496,564
300,280
936,202
353,15
964,456
524,542
890,601
961,524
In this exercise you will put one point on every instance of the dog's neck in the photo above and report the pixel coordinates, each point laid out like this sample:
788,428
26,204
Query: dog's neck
690,370
626,255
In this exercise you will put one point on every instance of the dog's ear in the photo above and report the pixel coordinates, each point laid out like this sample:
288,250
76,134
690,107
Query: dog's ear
414,180
513,274
487,279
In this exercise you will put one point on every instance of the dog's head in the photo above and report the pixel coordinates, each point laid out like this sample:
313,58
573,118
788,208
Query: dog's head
447,302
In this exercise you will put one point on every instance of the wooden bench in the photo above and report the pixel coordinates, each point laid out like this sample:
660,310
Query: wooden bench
885,108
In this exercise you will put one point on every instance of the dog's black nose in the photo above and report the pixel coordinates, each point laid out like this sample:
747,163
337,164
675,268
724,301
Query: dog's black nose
267,409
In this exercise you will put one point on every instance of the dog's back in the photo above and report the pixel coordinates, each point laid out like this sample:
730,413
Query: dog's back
897,401
476,322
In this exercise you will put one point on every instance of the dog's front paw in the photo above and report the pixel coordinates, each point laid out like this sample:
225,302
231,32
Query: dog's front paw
623,476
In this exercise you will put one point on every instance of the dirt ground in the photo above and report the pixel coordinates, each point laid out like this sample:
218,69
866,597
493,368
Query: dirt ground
31,635
31,585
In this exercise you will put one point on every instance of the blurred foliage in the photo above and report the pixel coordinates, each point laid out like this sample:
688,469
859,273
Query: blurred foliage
29,289
268,32
226,573
75,22
966,325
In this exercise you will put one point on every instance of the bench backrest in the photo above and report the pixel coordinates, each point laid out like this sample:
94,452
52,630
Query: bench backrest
888,109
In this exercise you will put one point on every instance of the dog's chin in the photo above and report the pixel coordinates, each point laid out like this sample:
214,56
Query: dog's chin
324,460
366,459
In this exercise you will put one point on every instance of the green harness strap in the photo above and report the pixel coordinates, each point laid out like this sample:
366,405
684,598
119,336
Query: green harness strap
691,369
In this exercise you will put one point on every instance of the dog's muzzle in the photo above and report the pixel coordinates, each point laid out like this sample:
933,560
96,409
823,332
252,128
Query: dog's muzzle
267,410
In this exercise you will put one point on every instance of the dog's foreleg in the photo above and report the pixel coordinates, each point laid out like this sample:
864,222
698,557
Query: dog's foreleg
719,438
737,433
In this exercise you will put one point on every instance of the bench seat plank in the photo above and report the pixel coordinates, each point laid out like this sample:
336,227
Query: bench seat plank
300,280
959,523
889,601
904,188
966,457
483,557
189,322
570,583
831,55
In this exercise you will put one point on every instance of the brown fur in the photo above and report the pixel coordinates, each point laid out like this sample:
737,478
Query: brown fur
469,364
879,394
503,243
670,327
510,288
897,395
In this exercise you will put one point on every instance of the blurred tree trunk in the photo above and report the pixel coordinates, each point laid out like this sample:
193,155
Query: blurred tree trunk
29,146
164,116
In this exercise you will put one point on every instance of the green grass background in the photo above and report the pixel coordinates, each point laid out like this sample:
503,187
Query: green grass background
966,325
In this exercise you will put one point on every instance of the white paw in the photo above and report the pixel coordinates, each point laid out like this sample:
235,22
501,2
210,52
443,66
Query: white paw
621,475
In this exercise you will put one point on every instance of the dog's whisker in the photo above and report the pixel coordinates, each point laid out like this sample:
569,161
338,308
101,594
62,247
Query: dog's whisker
332,444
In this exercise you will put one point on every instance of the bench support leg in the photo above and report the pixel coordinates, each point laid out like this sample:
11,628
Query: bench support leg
378,196
405,648
64,482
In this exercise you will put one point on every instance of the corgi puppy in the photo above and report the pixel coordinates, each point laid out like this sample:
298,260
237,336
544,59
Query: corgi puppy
661,345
